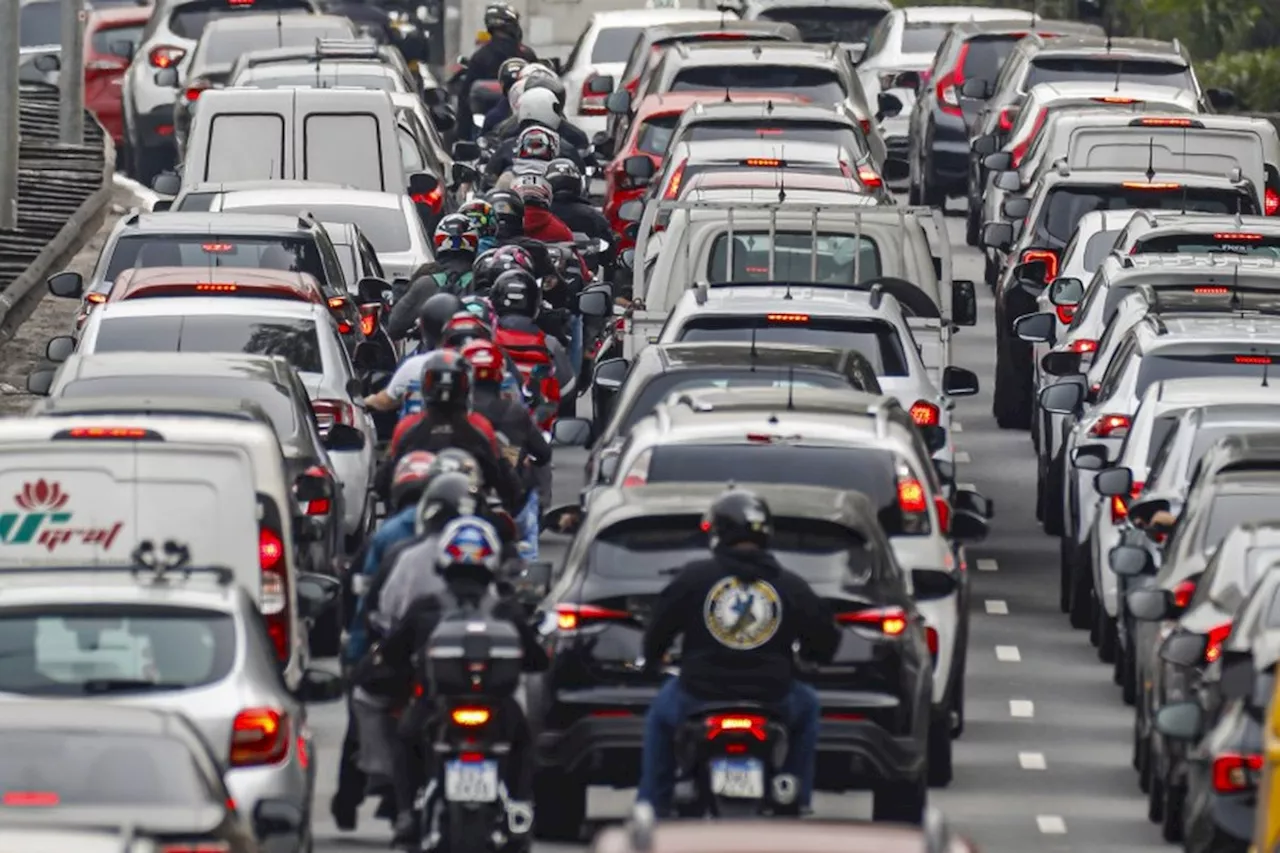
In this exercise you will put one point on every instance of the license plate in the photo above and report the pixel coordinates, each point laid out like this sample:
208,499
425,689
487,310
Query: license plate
471,781
737,778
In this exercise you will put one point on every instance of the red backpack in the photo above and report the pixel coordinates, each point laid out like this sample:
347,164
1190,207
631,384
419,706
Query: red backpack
529,351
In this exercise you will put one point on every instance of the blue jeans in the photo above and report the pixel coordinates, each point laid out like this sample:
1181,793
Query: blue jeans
672,706
575,342
527,522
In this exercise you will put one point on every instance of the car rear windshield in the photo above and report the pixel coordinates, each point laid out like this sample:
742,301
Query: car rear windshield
819,551
825,24
385,227
923,38
615,44
296,340
823,132
1209,435
1158,366
984,55
40,23
655,134
819,85
665,384
1233,509
47,767
1061,212
1100,68
875,340
98,649
223,47
107,37
1227,242
275,401
189,19
838,256
206,251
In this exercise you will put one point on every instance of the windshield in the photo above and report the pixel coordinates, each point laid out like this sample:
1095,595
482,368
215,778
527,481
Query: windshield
819,85
224,47
1061,212
1158,366
655,134
1100,68
40,24
875,340
80,650
1227,242
615,44
275,401
1231,510
923,38
825,24
1097,249
205,251
819,551
296,340
1207,436
385,227
985,55
189,19
823,132
839,256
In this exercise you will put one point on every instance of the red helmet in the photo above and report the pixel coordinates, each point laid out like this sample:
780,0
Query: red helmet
462,328
486,360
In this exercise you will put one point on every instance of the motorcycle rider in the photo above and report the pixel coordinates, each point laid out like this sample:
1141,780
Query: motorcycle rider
401,392
538,108
483,222
456,242
572,136
518,301
569,205
732,654
505,41
539,222
508,74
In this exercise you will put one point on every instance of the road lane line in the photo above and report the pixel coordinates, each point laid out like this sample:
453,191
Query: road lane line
1051,824
1032,760
988,565
963,457
996,607
956,426
1008,654
1022,708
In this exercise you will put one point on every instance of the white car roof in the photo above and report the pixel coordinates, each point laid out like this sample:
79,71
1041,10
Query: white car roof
957,14
210,306
652,17
240,199
1208,391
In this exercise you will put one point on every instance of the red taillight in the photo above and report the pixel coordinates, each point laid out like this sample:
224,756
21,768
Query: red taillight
925,413
948,86
865,124
1120,505
1253,359
369,315
330,412
31,799
1233,772
1183,593
1066,313
673,185
197,847
1049,257
890,621
1215,638
319,506
591,104
868,177
1271,202
259,736
732,724
274,603
433,199
1020,150
195,89
1007,117
943,508
470,717
574,617
931,638
911,497
164,56
1111,426
1084,346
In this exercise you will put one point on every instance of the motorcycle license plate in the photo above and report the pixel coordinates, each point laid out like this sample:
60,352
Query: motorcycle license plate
737,778
471,781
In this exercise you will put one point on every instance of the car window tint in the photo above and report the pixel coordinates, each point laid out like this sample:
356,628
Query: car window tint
224,47
838,257
825,132
344,149
1158,366
1061,69
1061,212
875,340
296,340
1233,509
40,23
614,44
347,259
923,38
985,55
825,24
1160,432
1209,435
655,134
1097,249
664,385
245,147
1225,242
109,36
385,226
819,85
211,251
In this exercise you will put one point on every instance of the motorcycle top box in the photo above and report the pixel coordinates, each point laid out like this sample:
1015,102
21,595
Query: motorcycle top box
474,656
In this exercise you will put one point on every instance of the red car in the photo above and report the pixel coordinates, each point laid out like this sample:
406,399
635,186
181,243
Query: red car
110,38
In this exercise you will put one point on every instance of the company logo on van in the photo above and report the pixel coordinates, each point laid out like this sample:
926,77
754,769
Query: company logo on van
41,522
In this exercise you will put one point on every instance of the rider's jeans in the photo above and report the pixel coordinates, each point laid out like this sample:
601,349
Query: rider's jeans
528,522
575,341
672,706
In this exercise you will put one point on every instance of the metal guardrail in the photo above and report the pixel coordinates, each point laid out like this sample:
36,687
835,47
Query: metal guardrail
63,194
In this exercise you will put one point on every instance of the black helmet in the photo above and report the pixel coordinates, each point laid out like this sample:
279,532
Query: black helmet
501,18
516,292
739,516
434,313
488,267
509,72
445,498
546,81
565,178
446,381
508,210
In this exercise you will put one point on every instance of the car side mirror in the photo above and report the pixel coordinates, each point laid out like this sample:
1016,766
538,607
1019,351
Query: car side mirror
638,168
435,97
318,685
1114,482
888,105
1013,208
964,303
609,375
1090,457
276,817
1184,649
443,117
618,103
67,285
166,78
1061,363
571,432
1221,99
967,527
633,210
342,437
1009,182
1065,292
365,356
1180,721
371,289
909,80
167,183
423,183
562,519
596,301
997,235
931,584
602,143
40,382
959,382
1130,561
59,349
1036,328
598,84
975,89
969,499
1150,605
462,173
894,171
465,150
984,145
1062,398
316,594
1000,161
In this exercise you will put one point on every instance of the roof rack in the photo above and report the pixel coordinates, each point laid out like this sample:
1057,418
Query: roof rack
150,563
343,48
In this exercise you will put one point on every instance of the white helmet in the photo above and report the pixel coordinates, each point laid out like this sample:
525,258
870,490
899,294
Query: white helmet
541,106
514,93
534,68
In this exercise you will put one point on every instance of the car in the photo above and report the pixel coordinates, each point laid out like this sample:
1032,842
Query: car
170,36
305,334
171,641
591,703
40,40
1156,231
358,258
389,221
758,187
328,53
937,150
848,22
223,41
172,282
111,37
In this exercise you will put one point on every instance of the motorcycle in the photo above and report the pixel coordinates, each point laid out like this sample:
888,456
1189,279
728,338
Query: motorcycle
728,763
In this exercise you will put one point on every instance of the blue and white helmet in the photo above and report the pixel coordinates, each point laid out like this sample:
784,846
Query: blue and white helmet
471,546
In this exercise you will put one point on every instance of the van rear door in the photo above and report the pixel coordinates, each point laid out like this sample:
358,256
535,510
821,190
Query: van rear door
1199,150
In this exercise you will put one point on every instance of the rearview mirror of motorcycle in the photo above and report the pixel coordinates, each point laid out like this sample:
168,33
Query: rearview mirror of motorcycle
631,211
571,432
595,301
462,173
563,519
421,183
372,289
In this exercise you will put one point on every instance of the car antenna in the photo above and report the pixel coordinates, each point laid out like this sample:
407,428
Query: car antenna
279,28
1237,304
791,387
1035,13
782,182
754,354
1109,25
1119,72
1151,159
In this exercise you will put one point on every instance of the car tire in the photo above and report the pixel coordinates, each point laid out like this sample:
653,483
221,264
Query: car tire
559,806
940,752
1107,642
1081,611
1171,818
1155,797
900,802
1065,547
972,225
1053,522
957,709
1128,678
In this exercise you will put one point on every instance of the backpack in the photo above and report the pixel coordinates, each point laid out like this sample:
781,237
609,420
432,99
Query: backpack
452,281
532,357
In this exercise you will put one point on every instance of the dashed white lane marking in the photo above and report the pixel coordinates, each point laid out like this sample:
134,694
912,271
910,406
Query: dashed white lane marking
1051,824
1032,760
963,457
956,426
963,486
988,565
1008,654
996,607
1023,708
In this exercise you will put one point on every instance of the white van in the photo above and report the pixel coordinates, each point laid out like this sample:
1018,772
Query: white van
79,489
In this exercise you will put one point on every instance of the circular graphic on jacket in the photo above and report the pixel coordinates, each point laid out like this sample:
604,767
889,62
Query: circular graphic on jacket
742,615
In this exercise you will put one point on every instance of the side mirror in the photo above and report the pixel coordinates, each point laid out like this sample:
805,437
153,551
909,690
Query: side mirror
1000,161
465,150
68,285
598,84
894,171
571,432
1141,511
166,77
371,289
1013,208
39,382
618,103
856,52
959,382
1062,398
1009,182
596,301
969,499
436,97
443,117
123,48
638,168
627,260
906,80
1066,291
308,488
563,519
463,173
276,817
1036,328
365,356
964,303
59,349
316,594
1220,99
1061,363
1031,272
975,89
888,105
166,183
997,235
602,142
1184,649
935,437
984,145
1130,561
1150,605
342,437
1090,457
633,210
610,374
931,584
1180,721
534,582
320,686
422,183
967,527
1114,482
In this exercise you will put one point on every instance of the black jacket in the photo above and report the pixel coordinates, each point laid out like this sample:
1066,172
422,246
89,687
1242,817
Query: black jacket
484,65
740,612
436,432
504,156
404,313
512,422
583,217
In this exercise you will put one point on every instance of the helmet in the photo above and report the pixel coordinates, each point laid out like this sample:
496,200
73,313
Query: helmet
514,93
739,516
541,106
508,210
481,307
501,18
537,143
480,213
455,233
486,360
434,313
565,178
516,292
470,549
463,328
410,478
517,255
536,69
549,82
445,498
455,460
509,72
533,190
446,381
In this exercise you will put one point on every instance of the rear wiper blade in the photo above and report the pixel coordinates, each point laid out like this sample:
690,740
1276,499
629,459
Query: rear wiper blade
121,685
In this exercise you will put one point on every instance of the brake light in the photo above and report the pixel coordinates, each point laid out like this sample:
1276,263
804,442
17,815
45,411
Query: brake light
591,104
1238,236
639,473
29,799
330,412
1115,99
931,639
1211,290
1020,150
1233,772
470,717
925,413
319,506
865,124
948,86
1216,637
1183,593
1006,119
165,56
1163,122
1155,186
337,302
217,248
196,88
110,432
890,621
718,724
1110,426
763,163
1083,346
911,497
274,600
576,617
1049,257
1120,505
369,315
787,318
198,846
868,177
673,185
943,509
1066,313
1270,202
433,199
95,298
239,2
1253,359
259,736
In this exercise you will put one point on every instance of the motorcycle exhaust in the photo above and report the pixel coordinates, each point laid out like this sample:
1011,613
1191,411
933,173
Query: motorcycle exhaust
519,818
785,789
